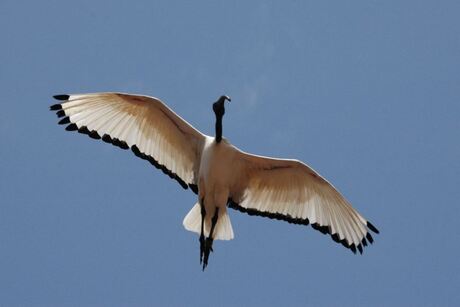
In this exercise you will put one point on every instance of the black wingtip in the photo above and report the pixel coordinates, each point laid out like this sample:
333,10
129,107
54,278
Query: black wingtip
56,107
360,248
335,237
94,135
353,248
84,130
71,127
194,188
138,153
60,113
117,142
372,227
106,138
136,150
65,120
61,97
323,229
369,238
123,145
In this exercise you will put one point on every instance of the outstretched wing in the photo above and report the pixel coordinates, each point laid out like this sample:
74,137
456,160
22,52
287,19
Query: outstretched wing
144,124
291,191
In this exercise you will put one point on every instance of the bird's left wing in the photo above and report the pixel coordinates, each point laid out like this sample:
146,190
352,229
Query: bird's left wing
291,191
144,124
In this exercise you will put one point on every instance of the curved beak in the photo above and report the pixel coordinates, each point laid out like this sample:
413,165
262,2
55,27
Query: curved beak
228,98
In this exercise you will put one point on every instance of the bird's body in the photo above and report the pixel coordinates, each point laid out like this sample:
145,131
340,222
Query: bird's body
216,176
215,180
219,173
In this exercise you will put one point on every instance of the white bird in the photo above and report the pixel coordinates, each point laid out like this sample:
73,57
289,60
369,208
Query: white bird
219,173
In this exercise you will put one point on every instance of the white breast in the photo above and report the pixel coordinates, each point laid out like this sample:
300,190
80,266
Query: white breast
216,172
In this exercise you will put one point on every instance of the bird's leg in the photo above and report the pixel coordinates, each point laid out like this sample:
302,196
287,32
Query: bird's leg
202,241
209,240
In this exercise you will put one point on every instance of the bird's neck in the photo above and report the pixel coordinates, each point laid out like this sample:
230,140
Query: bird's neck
218,129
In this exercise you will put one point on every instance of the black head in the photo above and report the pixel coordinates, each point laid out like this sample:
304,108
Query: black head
218,106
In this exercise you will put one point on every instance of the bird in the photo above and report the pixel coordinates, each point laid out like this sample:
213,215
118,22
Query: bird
220,174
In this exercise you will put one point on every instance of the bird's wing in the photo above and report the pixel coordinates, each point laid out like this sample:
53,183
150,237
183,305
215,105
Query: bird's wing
291,191
144,124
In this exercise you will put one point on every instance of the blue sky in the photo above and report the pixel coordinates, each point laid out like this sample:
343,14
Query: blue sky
366,92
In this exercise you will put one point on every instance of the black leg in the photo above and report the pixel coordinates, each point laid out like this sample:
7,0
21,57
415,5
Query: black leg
202,243
209,240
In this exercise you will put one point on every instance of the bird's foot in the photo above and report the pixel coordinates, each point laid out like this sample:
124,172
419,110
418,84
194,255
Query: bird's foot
207,250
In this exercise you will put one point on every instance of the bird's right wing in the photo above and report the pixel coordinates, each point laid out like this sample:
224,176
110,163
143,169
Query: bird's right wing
289,190
144,124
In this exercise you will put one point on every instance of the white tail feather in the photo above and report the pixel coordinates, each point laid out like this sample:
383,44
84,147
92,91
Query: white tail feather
223,230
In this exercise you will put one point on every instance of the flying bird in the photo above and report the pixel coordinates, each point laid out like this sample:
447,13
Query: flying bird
219,173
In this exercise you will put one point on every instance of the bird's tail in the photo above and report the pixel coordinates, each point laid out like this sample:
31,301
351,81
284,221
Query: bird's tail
223,230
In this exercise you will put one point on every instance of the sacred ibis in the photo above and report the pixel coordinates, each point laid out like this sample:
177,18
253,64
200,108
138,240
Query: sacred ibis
220,174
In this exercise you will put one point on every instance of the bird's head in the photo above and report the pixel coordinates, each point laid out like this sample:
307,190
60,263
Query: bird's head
218,106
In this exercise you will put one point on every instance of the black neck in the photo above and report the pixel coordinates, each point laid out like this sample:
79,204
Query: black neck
218,129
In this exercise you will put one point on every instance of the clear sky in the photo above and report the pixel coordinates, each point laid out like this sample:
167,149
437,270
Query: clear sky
366,92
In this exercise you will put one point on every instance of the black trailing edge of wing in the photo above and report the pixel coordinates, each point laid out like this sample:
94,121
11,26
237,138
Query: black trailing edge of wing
163,168
92,134
193,187
323,229
276,216
114,141
119,143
